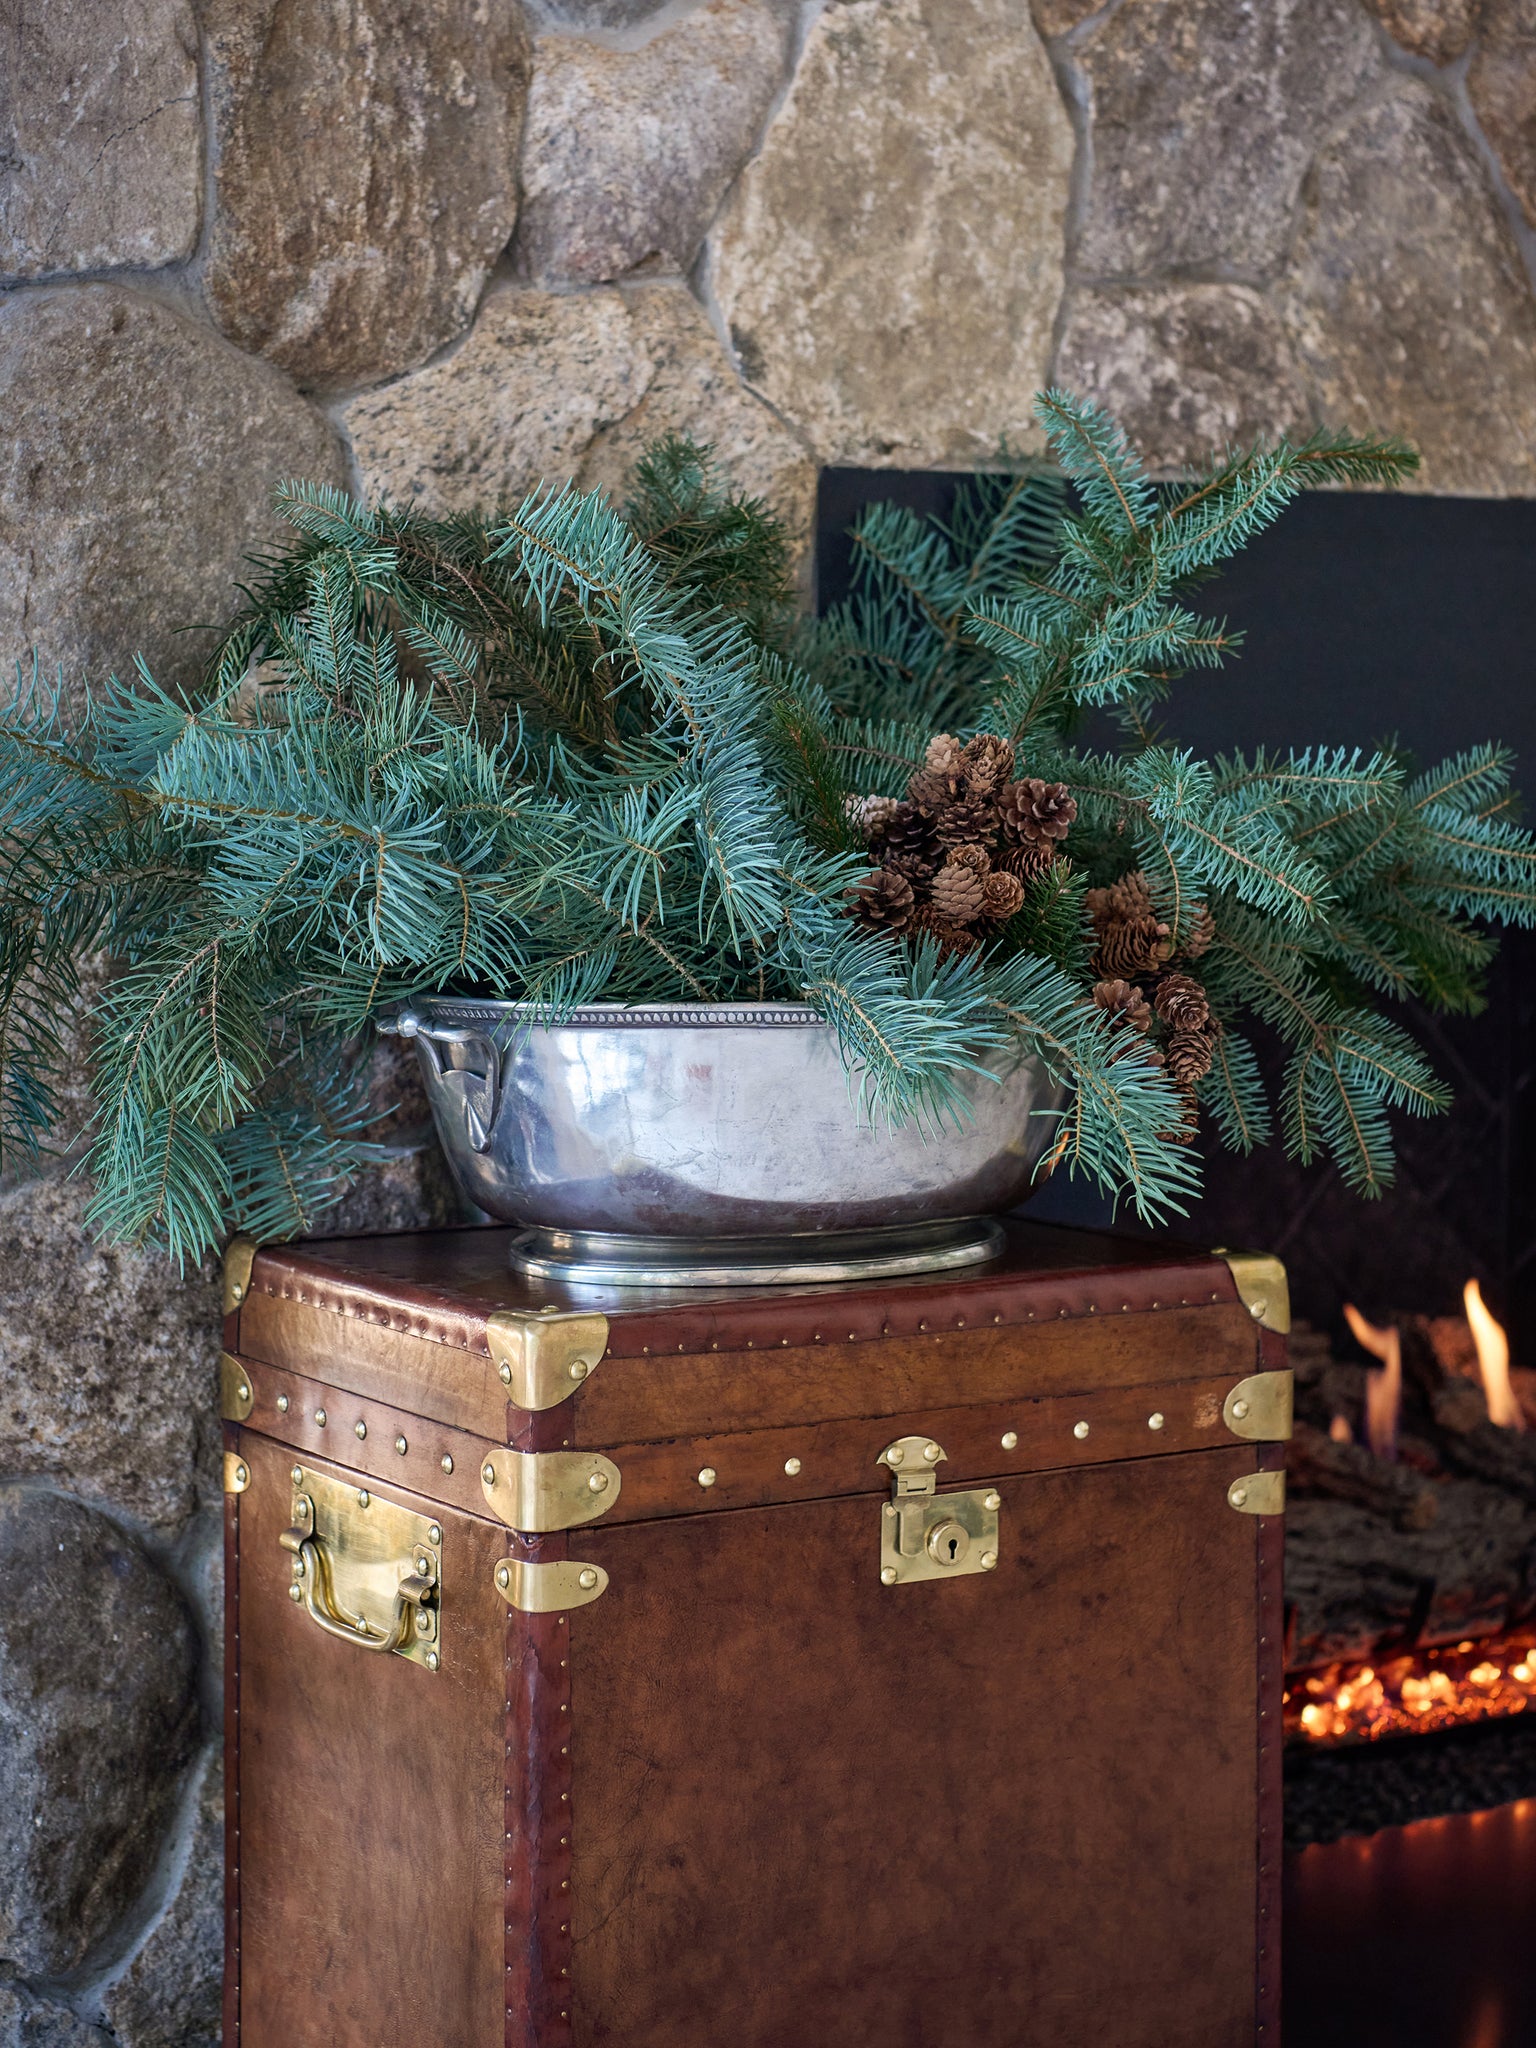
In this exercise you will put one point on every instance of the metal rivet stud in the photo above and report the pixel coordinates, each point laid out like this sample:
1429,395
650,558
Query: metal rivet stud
579,1368
792,1467
297,1475
245,1391
993,1502
1079,1430
319,1418
895,1455
359,1429
1010,1439
1156,1419
506,1375
431,1660
1239,1409
708,1476
296,1593
243,1474
586,1579
401,1445
446,1462
989,1560
363,1496
1257,1309
488,1474
503,1577
931,1453
1237,1495
282,1404
301,1511
888,1575
597,1482
237,1293
434,1533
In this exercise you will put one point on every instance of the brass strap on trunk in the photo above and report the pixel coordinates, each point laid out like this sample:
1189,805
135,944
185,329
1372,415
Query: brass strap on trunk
1259,1407
1259,1278
549,1588
1258,1493
535,1492
238,1261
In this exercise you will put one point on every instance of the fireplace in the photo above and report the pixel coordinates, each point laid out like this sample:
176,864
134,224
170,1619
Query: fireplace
1411,1535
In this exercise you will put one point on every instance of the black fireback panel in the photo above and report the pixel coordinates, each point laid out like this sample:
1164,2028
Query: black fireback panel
1366,617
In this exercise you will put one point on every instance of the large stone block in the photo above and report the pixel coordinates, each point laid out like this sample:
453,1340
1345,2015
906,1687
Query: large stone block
108,1361
1502,82
555,386
1205,115
365,175
170,1995
1437,29
627,154
1186,369
1407,301
136,475
98,1718
100,136
890,262
28,2022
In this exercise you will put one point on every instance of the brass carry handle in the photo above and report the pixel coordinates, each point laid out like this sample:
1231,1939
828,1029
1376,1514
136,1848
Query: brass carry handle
314,1586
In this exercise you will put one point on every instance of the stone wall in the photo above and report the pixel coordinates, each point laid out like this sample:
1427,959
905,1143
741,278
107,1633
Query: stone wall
440,248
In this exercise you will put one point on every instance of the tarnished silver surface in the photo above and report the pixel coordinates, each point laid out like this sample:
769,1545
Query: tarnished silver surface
704,1121
608,1258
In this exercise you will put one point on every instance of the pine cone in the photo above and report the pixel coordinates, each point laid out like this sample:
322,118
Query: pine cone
987,762
1184,1132
1024,861
885,902
943,756
957,893
1129,949
1189,1056
1002,898
969,855
1128,899
1181,1002
967,821
1124,999
869,815
1033,810
1197,939
930,792
905,830
952,938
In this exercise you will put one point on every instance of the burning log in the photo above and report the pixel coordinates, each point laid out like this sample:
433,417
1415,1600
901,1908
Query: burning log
1317,1464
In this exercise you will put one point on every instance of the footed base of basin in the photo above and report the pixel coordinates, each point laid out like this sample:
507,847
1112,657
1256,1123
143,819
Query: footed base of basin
612,1259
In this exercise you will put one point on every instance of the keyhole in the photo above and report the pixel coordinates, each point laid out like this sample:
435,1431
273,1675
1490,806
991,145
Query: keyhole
953,1548
948,1542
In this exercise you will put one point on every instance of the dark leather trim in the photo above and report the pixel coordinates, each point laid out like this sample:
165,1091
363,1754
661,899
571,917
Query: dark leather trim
231,1756
1272,1631
539,1781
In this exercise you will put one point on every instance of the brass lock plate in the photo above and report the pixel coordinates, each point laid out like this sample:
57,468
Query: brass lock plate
370,1547
938,1536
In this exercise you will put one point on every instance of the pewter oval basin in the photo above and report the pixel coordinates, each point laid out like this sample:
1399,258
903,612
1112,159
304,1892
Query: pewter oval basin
704,1121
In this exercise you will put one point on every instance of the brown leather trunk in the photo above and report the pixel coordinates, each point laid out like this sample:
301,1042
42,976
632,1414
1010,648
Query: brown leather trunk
669,1763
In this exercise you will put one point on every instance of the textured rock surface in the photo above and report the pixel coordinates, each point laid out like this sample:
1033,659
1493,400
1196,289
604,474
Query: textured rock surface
694,390
1502,82
1437,29
27,2022
890,262
100,135
136,475
558,386
1409,306
108,1361
1185,368
98,1714
597,14
627,154
170,1994
1055,17
1205,115
366,175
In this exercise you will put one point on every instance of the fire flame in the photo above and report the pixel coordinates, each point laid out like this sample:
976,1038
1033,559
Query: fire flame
1406,1695
1384,1389
1492,1360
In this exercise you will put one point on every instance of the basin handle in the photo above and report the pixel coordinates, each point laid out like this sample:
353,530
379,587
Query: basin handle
477,1092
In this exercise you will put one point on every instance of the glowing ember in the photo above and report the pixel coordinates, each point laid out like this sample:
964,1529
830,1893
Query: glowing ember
1492,1360
1384,1389
1407,1695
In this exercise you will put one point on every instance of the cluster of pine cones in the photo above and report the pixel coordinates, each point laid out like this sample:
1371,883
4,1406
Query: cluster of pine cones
953,858
1139,979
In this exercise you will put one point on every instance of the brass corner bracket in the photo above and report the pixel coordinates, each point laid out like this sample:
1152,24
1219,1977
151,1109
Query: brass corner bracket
1260,1407
544,1355
1258,1493
535,1492
549,1588
1259,1278
238,1261
236,1396
237,1474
